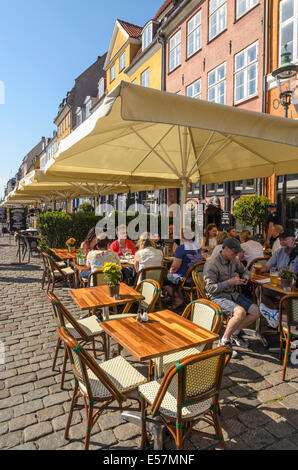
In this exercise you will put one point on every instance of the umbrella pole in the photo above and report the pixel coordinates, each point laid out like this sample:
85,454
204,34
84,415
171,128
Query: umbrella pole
183,201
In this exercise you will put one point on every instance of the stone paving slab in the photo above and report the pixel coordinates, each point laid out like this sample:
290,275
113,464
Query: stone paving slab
258,409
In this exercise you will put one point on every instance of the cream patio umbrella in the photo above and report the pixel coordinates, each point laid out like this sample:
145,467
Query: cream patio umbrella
141,135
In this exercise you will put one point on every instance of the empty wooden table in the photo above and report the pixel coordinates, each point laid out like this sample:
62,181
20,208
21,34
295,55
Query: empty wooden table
164,333
92,297
63,253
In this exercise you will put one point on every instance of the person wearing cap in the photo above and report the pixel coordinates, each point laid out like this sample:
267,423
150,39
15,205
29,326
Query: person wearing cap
286,256
222,275
186,255
272,220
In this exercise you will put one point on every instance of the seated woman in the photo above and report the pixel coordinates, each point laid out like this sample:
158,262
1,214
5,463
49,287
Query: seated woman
219,239
251,248
186,255
100,255
123,245
148,255
89,243
209,238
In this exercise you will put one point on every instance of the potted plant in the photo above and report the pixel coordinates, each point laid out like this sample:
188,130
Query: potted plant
70,243
112,274
287,277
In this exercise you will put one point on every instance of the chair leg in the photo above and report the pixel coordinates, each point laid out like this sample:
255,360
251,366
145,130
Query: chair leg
286,356
63,369
218,430
179,437
73,403
58,345
105,346
89,427
144,430
43,279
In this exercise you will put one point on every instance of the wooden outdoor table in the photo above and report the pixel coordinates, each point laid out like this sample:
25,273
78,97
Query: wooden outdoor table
63,254
269,286
165,332
92,297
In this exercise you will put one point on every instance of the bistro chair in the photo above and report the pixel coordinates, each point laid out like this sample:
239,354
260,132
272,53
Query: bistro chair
156,273
189,288
60,274
199,282
203,313
99,384
261,261
46,267
288,307
188,393
86,330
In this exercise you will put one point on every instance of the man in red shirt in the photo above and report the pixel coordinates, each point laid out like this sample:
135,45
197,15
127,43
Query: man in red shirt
122,245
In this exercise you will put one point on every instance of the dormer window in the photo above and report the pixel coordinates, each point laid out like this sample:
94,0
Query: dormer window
122,62
113,73
147,36
79,116
88,103
101,87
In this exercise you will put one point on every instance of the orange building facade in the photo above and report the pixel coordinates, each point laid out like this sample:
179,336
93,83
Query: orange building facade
282,28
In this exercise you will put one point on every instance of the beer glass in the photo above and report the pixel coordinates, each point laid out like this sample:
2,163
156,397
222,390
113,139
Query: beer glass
273,276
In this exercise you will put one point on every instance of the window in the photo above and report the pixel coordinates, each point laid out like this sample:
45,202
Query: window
147,36
217,84
246,73
145,78
122,62
194,90
242,6
244,186
175,51
288,27
217,17
134,81
88,108
113,73
78,116
215,189
194,34
101,87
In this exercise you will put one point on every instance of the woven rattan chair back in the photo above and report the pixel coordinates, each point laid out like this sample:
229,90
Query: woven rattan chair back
205,313
194,379
81,362
63,316
199,282
156,273
96,278
150,289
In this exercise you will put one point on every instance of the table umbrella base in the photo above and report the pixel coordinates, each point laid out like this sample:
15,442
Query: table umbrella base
155,429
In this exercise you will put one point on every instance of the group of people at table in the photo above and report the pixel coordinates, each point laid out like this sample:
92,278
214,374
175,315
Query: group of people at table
224,270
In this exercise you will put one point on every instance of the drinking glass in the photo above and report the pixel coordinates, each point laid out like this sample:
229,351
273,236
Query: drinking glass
274,276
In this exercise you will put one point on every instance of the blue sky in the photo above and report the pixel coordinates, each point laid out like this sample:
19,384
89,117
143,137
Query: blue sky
44,45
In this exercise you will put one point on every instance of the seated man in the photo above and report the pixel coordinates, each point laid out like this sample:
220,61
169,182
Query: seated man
186,255
221,279
285,257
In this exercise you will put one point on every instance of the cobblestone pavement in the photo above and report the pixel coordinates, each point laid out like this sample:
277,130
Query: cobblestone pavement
259,411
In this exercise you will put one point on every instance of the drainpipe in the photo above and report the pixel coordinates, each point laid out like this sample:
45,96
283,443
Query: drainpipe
162,40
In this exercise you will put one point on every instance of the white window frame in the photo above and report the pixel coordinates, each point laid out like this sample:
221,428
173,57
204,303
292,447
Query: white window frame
145,78
79,117
282,24
221,5
217,83
147,36
190,90
245,68
122,62
112,73
194,27
248,5
175,51
101,87
88,107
